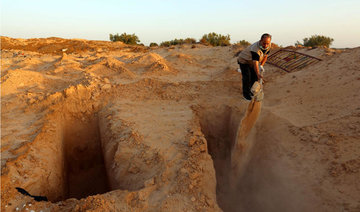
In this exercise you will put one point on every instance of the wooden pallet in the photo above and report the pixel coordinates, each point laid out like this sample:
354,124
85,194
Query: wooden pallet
291,61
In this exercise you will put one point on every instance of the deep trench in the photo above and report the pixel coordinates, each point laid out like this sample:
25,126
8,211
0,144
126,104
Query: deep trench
219,127
265,182
84,168
87,159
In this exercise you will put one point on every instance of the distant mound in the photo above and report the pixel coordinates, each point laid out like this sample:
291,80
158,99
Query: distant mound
67,62
55,45
109,66
159,67
154,64
180,57
147,59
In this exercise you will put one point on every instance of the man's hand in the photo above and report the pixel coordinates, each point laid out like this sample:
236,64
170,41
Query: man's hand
261,73
261,77
258,70
263,81
262,69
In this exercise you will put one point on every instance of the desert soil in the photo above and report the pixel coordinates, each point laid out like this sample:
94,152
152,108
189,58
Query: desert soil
102,126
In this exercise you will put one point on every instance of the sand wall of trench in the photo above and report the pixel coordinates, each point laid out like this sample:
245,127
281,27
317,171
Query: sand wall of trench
220,125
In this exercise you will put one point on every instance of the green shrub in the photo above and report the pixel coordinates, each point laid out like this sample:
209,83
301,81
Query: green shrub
178,42
215,39
165,44
153,44
190,40
125,38
317,40
243,43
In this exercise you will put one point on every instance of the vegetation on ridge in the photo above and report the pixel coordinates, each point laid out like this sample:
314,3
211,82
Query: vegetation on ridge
315,41
215,39
125,38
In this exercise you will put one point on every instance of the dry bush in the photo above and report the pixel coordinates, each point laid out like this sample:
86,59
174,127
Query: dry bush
243,43
215,39
153,44
178,42
125,38
316,41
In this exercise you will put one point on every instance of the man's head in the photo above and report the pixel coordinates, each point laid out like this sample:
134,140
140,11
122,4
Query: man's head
265,41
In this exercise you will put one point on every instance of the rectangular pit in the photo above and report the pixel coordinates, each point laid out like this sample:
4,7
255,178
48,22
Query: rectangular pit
85,172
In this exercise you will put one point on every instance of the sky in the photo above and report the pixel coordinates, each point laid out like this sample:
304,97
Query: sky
162,20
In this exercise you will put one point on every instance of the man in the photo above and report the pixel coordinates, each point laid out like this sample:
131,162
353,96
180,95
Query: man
250,59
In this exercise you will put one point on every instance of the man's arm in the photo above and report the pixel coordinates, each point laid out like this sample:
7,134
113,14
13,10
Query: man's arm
255,61
264,60
256,68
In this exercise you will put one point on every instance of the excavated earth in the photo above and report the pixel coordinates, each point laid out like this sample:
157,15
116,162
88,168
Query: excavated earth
102,126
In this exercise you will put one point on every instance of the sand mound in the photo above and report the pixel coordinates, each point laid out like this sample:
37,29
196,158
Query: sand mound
21,81
113,63
182,58
152,64
147,59
111,67
67,62
102,126
159,68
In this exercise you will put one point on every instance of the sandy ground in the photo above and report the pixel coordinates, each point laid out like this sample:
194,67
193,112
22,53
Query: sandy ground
108,127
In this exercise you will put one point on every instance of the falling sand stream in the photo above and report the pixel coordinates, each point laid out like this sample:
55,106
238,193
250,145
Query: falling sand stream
230,136
241,149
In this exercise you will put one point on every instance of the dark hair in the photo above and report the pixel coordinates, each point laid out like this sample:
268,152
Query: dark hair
265,35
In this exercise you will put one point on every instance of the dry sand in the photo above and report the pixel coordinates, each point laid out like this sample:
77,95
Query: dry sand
104,126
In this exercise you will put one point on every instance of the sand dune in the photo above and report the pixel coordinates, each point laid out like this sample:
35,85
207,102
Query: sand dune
102,126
